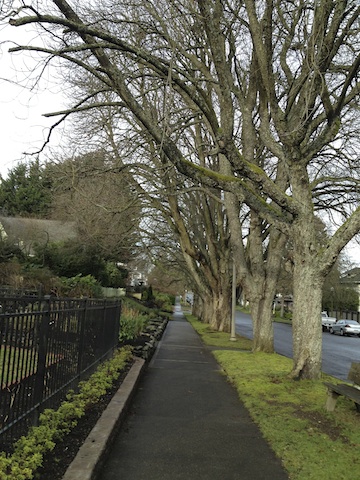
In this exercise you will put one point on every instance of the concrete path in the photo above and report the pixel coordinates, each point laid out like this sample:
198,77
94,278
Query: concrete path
186,421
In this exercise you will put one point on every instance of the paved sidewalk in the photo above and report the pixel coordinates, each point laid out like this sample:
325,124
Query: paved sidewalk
187,422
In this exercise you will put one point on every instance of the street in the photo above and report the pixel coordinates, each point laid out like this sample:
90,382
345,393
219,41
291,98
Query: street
337,355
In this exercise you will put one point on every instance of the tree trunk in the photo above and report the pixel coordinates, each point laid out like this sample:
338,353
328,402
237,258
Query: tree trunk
263,330
307,288
221,311
282,306
197,306
216,310
307,331
307,282
257,271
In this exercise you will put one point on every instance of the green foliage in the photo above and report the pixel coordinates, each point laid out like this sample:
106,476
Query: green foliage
152,310
132,322
11,273
286,318
147,295
26,191
164,301
69,258
9,251
137,305
340,298
159,300
337,295
114,276
36,277
79,286
54,425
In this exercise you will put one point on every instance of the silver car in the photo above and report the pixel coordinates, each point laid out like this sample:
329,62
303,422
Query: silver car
346,327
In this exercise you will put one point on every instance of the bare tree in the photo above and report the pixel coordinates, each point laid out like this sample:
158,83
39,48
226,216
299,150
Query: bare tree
271,86
102,204
185,218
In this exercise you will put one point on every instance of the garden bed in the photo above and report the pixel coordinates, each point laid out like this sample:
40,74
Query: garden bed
56,462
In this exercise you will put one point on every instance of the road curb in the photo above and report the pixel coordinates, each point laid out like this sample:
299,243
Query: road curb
92,453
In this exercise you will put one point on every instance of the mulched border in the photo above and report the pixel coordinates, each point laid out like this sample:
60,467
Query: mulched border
56,462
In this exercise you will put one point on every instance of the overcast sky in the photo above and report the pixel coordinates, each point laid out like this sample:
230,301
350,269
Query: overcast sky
22,126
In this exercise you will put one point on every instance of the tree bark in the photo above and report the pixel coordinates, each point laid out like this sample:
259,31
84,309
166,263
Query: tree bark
306,320
297,110
307,283
221,310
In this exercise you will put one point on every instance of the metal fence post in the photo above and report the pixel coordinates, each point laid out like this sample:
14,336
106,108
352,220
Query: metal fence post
83,319
117,323
103,327
41,357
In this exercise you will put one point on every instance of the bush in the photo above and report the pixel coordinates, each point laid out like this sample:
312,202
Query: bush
114,276
67,259
80,286
164,301
40,278
132,322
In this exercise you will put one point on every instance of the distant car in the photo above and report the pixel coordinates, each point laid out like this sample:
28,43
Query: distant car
326,321
346,327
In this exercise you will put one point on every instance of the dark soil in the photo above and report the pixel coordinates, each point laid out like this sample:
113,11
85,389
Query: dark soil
55,463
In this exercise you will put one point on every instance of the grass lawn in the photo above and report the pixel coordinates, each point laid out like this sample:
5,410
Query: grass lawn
312,443
19,363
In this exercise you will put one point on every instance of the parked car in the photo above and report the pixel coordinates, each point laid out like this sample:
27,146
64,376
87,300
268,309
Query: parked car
326,321
346,327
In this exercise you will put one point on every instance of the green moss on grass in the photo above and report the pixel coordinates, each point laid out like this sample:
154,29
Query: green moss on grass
312,443
218,339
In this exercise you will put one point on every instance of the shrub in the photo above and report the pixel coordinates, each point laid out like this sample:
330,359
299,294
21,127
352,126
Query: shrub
132,322
164,301
80,286
36,277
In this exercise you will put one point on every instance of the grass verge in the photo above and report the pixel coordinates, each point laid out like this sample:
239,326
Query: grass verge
312,443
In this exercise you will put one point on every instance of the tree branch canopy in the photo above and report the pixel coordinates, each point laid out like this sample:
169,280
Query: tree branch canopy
269,86
256,101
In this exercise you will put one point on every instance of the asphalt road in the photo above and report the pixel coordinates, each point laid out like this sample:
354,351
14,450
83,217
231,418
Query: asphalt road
337,355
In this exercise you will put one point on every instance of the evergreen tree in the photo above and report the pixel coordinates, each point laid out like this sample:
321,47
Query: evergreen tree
26,191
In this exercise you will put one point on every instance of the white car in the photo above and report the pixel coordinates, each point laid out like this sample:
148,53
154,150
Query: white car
346,327
327,321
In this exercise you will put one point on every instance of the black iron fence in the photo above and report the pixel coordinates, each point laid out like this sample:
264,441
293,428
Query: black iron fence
47,345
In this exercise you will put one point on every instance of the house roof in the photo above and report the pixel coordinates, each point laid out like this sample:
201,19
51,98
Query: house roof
27,231
351,276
